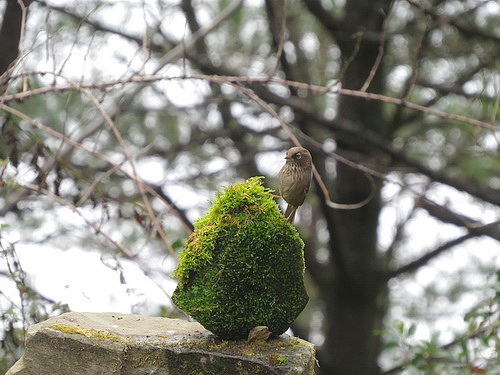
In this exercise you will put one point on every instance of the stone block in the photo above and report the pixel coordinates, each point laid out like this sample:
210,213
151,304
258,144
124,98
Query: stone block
111,343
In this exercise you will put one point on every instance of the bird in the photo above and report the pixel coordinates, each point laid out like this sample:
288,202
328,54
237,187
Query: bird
295,179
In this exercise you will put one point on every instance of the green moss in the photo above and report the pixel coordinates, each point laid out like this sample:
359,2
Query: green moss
278,360
243,265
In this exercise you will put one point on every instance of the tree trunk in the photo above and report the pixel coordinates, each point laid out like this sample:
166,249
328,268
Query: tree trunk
355,302
10,33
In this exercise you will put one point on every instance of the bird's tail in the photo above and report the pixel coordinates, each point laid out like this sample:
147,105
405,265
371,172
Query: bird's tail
290,213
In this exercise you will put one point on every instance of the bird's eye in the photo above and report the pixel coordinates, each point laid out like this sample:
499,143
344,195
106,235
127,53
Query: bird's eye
298,155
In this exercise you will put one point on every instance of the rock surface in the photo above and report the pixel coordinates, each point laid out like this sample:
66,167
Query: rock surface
110,343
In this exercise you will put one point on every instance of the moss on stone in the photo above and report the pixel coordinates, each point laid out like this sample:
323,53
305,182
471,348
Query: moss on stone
278,360
243,265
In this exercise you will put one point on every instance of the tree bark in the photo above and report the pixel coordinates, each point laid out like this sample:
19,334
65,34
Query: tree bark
355,302
10,34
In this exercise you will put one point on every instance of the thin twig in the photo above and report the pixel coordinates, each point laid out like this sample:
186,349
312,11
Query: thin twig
123,250
281,41
179,50
318,89
136,177
97,154
317,175
380,55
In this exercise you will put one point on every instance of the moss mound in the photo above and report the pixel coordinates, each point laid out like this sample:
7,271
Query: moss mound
243,265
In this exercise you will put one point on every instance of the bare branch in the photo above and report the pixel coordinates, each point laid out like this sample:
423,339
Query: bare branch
380,55
139,40
135,175
278,36
342,126
222,79
97,154
423,260
127,253
178,51
466,31
448,216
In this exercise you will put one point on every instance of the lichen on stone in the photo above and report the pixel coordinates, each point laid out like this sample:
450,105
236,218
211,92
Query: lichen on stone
99,334
243,265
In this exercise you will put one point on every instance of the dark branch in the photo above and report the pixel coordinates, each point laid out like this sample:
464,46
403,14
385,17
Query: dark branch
353,132
474,226
10,34
329,23
181,215
423,260
466,31
194,26
139,40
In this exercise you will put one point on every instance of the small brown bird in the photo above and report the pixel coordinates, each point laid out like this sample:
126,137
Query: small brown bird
294,179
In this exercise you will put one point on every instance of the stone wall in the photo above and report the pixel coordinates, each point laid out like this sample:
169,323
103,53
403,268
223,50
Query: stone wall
109,343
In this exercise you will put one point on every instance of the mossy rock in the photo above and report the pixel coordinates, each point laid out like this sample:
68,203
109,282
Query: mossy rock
243,266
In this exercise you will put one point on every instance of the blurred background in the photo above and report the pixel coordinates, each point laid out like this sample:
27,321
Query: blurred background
120,120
